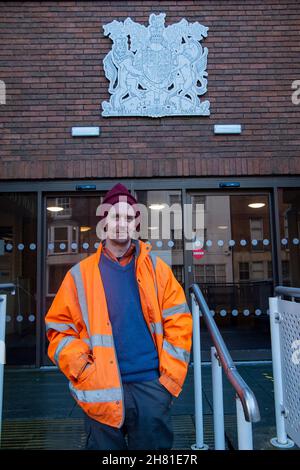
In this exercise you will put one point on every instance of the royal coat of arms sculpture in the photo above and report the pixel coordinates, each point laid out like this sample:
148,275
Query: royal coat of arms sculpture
156,70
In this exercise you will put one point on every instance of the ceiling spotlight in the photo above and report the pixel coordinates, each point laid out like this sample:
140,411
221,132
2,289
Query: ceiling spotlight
55,209
256,205
156,207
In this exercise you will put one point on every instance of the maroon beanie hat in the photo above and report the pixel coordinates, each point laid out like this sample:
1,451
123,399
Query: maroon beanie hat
114,194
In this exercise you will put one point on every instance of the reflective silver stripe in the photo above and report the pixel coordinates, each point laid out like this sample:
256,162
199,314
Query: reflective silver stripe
176,352
157,328
180,308
76,273
60,326
87,341
66,340
99,340
96,396
137,247
102,340
154,261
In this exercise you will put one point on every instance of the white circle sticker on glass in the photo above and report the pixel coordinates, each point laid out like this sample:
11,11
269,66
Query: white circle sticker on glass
231,243
19,318
223,313
243,242
74,246
258,312
62,246
85,246
209,243
170,244
159,244
220,242
31,318
246,312
235,312
284,241
8,318
197,243
296,241
9,247
32,246
266,242
212,312
254,242
51,246
96,245
20,247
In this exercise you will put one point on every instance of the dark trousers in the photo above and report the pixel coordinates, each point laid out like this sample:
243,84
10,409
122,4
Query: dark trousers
147,423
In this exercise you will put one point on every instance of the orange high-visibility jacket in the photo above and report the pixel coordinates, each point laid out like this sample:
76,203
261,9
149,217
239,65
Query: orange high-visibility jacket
79,331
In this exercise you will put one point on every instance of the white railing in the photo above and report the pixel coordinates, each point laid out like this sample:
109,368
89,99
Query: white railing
246,404
285,337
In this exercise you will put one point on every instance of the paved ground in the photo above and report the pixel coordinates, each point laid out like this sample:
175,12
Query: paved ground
39,413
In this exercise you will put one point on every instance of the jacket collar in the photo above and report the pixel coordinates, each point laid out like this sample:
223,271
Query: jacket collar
141,250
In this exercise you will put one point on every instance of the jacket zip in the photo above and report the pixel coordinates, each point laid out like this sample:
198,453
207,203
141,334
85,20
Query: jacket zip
120,380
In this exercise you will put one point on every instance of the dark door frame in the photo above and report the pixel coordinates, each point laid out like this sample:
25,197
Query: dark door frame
186,184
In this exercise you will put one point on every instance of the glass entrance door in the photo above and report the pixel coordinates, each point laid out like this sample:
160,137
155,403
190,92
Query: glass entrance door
18,264
70,232
231,260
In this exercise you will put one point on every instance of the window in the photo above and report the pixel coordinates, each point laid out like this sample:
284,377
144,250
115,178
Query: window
62,237
199,273
257,271
220,273
178,273
244,271
256,233
65,203
210,273
256,228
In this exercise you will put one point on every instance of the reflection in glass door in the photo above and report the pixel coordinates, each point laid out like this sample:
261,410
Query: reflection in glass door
289,218
71,223
231,260
18,264
163,227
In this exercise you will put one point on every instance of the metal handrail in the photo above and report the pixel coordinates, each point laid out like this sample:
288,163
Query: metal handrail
243,391
10,287
288,291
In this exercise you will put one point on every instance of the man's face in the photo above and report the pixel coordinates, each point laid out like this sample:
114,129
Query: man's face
120,222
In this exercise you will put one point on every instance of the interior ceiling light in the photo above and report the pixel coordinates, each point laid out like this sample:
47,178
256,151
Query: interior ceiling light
85,229
223,227
156,207
256,205
55,209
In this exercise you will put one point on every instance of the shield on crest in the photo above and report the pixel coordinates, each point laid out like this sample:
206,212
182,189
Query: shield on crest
157,64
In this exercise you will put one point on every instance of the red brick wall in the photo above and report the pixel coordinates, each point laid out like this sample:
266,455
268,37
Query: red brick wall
51,61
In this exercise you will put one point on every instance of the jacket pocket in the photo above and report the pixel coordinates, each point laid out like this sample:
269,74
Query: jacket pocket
86,372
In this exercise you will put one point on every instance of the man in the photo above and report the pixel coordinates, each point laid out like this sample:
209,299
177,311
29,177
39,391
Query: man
120,330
